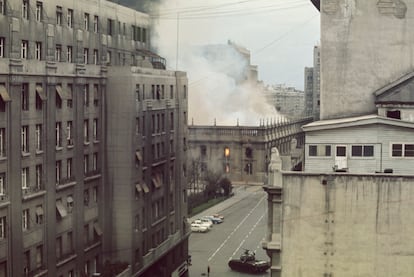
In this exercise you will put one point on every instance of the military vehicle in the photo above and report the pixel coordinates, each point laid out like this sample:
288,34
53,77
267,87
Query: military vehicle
248,263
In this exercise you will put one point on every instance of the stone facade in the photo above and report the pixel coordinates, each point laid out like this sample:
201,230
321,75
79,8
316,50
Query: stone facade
58,198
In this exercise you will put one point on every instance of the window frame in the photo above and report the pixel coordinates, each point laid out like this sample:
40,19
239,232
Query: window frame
403,150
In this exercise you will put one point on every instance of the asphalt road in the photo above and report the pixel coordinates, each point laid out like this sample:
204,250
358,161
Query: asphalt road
244,226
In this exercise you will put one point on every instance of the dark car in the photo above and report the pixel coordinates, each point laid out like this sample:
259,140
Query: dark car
215,220
248,263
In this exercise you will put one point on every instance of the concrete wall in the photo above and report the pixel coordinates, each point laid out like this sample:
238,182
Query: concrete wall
347,225
364,46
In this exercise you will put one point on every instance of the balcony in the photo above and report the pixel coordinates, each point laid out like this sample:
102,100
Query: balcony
32,192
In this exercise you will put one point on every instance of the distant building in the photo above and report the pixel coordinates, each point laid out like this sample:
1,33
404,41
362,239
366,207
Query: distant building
312,86
287,101
92,169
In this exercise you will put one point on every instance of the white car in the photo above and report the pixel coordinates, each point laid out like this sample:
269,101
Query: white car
195,227
205,221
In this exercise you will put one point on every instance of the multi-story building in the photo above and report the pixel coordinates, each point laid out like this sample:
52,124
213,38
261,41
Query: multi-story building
286,100
312,86
66,209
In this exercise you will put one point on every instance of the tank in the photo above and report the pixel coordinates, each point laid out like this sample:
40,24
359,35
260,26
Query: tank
248,263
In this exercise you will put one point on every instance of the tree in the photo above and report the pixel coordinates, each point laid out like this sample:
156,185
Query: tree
226,185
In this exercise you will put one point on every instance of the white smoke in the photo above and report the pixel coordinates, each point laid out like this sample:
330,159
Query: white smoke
215,93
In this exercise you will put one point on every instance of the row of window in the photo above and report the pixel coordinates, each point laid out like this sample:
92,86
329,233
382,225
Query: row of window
38,182
26,52
397,150
137,33
157,92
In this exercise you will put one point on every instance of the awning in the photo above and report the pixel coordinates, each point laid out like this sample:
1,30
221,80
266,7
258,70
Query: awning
97,229
4,94
41,93
138,187
145,187
62,93
156,181
61,209
69,199
39,210
138,156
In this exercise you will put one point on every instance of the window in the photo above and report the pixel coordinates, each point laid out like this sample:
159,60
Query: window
38,50
59,247
70,242
86,21
24,49
95,161
38,139
85,55
110,27
86,197
95,56
26,263
2,44
58,171
402,150
39,176
2,6
86,95
69,133
3,227
96,24
95,95
26,220
70,96
69,168
362,150
95,129
86,131
203,150
95,194
85,164
144,35
58,52
58,15
185,91
25,139
40,97
25,97
2,184
39,256
25,9
249,153
70,18
69,54
58,134
248,168
39,214
319,150
226,152
69,203
171,91
39,11
2,142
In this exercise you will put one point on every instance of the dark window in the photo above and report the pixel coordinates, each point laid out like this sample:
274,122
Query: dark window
397,150
327,150
409,150
203,150
313,150
394,114
368,150
357,150
340,151
249,153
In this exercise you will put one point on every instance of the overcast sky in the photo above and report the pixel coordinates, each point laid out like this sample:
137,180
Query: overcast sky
280,34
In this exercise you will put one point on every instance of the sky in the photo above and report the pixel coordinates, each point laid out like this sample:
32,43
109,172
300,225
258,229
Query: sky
280,35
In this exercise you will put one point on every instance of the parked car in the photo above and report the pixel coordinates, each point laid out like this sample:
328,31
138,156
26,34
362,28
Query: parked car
219,216
195,227
214,219
205,222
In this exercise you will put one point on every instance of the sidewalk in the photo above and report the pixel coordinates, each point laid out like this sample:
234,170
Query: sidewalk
240,192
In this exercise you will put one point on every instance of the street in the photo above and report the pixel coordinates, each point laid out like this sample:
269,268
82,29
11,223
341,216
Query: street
244,227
